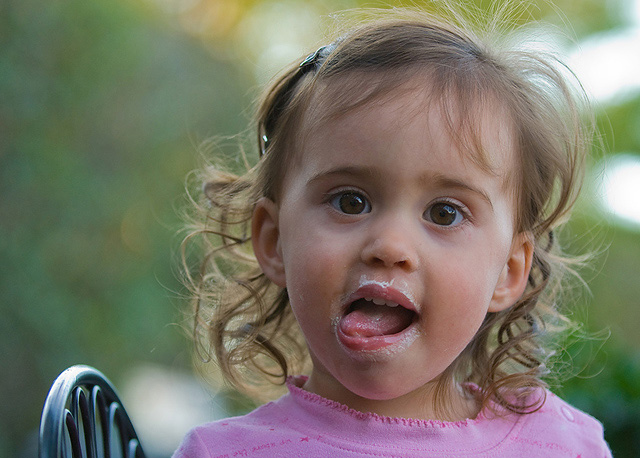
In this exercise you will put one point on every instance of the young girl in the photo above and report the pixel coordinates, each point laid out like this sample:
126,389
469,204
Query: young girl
403,257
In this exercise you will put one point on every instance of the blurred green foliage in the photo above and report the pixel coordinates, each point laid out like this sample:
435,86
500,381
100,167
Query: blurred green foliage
607,387
102,104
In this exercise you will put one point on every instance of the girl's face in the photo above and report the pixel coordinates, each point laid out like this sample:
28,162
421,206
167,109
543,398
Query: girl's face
393,246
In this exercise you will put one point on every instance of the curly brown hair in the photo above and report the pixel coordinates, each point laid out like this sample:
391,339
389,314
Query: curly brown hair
244,321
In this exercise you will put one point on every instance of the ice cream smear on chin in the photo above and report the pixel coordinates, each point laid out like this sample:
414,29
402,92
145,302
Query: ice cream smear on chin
378,309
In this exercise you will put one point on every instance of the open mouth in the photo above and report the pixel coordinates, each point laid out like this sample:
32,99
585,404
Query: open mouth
375,317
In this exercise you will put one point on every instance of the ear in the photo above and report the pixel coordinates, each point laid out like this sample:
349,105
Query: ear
265,237
515,274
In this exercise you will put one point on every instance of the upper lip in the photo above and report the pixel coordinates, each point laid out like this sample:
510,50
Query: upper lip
382,290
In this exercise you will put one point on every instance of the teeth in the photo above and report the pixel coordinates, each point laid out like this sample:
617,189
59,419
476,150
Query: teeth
379,301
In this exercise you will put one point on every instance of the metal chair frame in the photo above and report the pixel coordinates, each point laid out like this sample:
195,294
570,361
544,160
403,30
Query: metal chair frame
83,417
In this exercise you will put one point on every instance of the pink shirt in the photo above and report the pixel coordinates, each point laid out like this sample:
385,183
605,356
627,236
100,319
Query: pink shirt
302,424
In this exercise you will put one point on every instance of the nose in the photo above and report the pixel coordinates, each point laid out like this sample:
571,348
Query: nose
391,244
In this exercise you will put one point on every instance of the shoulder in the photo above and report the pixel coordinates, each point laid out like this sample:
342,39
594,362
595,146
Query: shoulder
265,429
559,426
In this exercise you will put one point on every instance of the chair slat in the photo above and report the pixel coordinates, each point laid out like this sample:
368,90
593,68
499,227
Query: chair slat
83,406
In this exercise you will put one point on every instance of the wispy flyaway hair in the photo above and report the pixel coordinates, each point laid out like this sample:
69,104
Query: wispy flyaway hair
244,321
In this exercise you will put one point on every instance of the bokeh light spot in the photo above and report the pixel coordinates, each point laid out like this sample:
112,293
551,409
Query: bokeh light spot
620,188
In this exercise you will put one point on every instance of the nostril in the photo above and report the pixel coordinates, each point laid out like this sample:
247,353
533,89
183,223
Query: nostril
390,262
389,252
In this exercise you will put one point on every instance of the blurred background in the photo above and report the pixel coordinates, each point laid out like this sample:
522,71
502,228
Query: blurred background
103,104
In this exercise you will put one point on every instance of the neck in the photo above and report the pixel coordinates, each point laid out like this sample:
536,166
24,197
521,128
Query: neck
424,403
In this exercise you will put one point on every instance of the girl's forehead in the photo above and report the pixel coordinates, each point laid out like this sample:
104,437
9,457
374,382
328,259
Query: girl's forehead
478,126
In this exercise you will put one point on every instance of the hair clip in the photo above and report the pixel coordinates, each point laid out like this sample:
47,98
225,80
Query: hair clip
309,63
314,57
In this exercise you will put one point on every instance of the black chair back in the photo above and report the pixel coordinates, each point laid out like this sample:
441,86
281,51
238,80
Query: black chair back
83,417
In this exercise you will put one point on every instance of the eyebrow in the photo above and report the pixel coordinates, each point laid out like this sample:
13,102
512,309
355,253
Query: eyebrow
349,170
439,179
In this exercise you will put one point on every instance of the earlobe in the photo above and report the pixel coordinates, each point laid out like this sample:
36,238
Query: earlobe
515,274
265,237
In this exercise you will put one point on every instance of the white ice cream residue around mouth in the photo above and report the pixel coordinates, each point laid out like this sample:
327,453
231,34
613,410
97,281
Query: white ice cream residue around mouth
402,288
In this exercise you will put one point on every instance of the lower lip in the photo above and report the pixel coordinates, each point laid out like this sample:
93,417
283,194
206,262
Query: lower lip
390,344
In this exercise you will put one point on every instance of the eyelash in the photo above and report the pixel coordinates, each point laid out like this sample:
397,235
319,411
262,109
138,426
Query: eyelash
461,210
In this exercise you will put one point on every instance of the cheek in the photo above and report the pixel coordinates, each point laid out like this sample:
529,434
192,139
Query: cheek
312,264
461,306
310,256
478,260
465,289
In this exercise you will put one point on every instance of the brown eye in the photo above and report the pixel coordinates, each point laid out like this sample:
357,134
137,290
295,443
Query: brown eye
351,203
444,214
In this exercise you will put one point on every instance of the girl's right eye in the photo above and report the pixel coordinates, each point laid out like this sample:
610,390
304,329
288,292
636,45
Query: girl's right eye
350,203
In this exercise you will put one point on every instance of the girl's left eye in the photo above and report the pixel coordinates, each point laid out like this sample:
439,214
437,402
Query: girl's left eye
350,203
444,214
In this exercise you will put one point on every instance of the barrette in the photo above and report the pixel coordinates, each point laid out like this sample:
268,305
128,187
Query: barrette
308,64
315,56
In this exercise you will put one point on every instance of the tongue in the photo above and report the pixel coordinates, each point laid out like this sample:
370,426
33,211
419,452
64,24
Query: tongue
367,319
